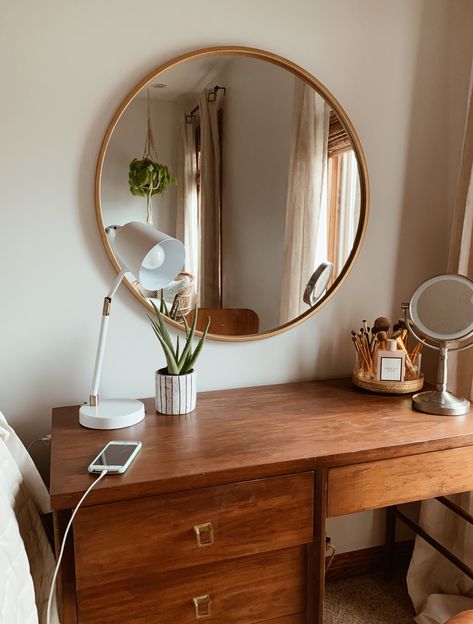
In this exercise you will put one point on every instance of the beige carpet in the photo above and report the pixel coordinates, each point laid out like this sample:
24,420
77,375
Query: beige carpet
368,600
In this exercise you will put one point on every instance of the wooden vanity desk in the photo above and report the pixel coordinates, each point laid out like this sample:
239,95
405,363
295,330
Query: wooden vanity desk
221,517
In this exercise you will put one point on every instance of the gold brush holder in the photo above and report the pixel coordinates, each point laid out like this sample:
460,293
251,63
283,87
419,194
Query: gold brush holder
387,387
367,341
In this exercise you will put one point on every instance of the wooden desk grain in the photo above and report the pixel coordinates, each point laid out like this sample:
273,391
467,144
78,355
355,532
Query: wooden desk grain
248,433
400,480
355,442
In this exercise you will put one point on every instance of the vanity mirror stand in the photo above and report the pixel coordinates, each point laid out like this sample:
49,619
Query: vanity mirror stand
441,308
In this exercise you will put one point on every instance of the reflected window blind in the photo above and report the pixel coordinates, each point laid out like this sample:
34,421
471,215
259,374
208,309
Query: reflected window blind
338,139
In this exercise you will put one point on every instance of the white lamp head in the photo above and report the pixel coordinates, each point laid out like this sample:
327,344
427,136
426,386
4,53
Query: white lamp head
153,257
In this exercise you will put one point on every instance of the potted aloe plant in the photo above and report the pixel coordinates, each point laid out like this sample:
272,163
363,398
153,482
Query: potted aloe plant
176,391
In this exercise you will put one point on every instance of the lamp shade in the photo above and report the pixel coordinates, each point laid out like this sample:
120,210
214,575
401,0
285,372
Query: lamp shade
153,257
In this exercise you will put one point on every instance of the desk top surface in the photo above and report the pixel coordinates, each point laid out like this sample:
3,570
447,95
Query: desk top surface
248,433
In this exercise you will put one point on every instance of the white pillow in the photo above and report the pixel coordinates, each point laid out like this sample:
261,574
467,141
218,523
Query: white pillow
26,558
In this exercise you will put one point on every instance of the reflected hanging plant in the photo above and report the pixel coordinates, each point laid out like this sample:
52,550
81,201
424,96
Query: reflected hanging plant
146,176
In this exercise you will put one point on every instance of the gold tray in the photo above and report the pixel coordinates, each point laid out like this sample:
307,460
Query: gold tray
388,387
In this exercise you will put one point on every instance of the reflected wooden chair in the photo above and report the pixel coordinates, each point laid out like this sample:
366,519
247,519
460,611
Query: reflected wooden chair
465,617
227,321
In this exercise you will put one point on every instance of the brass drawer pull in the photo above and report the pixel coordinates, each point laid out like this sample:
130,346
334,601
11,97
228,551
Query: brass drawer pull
204,534
202,606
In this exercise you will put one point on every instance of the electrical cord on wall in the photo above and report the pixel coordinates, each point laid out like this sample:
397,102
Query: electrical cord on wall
46,440
61,552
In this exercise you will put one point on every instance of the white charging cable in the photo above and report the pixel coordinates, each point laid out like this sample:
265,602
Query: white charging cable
46,440
61,552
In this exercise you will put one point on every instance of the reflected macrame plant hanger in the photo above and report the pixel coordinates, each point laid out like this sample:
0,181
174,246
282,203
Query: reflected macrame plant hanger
147,177
149,151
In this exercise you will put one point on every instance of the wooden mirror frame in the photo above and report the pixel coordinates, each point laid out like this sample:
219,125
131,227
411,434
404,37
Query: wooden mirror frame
333,103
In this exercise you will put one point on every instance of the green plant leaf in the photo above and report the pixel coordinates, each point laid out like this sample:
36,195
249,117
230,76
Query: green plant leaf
163,329
170,359
193,359
156,310
185,323
189,338
165,334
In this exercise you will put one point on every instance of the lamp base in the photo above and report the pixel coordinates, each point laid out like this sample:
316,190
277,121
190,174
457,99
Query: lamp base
112,414
441,403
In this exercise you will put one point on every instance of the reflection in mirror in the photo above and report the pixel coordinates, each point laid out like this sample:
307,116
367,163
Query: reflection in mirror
267,186
317,285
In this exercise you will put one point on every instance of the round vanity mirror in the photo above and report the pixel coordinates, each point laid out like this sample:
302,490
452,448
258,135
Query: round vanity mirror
250,162
441,308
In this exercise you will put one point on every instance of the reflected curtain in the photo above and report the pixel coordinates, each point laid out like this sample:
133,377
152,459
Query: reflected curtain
187,203
210,201
307,191
437,588
344,208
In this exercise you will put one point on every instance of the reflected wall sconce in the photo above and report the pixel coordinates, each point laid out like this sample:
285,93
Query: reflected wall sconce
155,259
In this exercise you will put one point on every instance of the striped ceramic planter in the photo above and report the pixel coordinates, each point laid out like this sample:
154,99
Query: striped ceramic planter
175,394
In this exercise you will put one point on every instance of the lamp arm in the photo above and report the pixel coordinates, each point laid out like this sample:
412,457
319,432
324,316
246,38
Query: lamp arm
107,302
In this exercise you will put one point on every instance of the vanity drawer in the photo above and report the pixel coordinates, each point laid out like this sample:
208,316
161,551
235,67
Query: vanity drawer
260,588
192,528
400,480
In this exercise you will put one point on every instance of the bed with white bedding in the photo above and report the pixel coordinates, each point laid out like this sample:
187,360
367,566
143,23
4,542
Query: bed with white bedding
26,558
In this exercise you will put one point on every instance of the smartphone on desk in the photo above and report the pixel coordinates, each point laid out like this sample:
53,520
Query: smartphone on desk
115,457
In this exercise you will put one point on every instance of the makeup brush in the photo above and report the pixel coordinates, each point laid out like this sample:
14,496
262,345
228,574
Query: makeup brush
382,337
404,330
383,323
364,349
361,357
374,342
356,337
374,333
365,333
416,351
409,363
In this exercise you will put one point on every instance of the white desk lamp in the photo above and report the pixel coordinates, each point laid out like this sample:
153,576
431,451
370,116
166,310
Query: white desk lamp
155,259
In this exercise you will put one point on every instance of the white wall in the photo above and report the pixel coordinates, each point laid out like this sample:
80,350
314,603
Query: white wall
65,67
257,127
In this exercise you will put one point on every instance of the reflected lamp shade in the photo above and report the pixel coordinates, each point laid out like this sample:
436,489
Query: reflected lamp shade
153,257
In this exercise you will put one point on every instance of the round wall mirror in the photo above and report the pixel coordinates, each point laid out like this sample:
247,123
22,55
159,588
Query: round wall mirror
250,162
